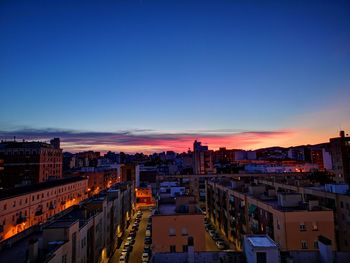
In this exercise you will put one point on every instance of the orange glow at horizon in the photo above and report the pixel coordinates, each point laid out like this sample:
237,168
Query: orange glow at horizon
181,143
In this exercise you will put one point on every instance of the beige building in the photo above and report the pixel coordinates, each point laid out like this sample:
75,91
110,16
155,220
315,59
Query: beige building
238,209
23,207
175,223
84,233
334,197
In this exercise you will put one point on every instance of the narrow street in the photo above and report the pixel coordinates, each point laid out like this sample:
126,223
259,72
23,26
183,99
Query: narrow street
210,243
136,253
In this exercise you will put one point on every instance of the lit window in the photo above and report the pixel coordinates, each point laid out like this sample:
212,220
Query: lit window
184,231
314,226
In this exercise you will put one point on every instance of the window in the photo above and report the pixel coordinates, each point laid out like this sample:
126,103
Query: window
302,227
5,206
172,232
314,226
184,232
64,259
341,204
184,248
172,249
303,244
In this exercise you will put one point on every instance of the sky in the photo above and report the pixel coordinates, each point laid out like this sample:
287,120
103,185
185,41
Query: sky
152,75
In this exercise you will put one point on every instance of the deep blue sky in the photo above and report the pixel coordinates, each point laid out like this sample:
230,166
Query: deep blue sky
171,65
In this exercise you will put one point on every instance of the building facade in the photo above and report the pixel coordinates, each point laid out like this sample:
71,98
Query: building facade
203,159
335,197
85,233
30,162
340,151
237,209
23,207
174,224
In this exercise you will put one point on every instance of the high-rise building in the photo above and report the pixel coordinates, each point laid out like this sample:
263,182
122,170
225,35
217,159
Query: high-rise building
340,151
30,162
202,159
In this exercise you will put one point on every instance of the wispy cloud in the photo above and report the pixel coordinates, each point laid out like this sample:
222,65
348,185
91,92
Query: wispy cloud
149,140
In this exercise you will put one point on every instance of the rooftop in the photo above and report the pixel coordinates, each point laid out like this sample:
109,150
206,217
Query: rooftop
18,191
261,241
62,223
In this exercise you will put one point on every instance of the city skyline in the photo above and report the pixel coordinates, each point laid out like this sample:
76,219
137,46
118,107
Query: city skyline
229,73
150,141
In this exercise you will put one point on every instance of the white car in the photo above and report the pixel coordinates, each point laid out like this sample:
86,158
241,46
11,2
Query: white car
122,257
145,257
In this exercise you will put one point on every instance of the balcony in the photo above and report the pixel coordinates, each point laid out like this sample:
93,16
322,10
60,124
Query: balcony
21,219
39,212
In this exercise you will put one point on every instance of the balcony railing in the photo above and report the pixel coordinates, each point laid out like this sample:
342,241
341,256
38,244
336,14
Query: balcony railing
21,219
38,212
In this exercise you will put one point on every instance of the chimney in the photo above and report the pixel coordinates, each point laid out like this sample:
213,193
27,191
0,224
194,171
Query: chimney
342,134
33,250
190,250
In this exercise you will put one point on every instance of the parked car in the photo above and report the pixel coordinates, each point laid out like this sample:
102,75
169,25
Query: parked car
131,240
212,232
145,257
216,237
128,245
147,250
148,246
148,241
126,250
221,244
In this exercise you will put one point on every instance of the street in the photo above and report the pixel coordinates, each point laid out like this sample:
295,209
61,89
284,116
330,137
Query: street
136,253
210,243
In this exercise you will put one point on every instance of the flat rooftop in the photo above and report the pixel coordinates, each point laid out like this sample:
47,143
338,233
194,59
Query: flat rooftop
62,223
261,241
23,190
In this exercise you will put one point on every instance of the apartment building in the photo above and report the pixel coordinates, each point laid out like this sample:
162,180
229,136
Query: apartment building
30,162
84,233
333,196
340,152
238,209
203,159
23,207
175,224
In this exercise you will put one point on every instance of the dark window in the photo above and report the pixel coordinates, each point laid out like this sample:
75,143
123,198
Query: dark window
172,249
184,248
261,257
